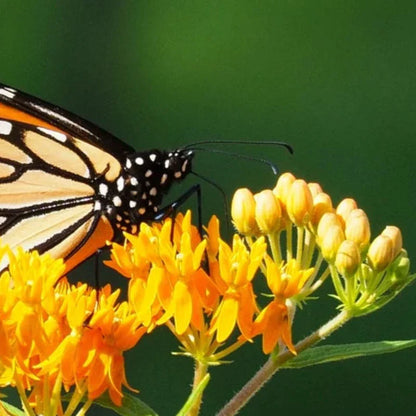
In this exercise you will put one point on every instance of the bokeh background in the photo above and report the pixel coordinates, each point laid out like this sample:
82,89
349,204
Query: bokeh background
336,79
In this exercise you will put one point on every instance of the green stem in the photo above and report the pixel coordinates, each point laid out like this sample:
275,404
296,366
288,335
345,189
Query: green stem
76,398
299,245
289,242
226,351
336,281
201,370
84,408
273,364
23,398
274,242
312,288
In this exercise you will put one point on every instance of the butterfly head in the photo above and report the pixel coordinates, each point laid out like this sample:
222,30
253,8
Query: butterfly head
146,178
159,169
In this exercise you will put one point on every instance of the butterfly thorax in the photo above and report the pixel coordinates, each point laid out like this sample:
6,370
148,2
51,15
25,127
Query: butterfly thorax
136,195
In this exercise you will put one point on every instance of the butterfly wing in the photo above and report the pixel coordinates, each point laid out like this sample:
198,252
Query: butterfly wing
50,163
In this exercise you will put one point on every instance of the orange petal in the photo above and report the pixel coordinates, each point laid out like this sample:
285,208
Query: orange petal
183,307
227,318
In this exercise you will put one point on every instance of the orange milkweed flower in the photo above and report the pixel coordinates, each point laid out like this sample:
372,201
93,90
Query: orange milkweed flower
284,281
237,268
176,286
45,341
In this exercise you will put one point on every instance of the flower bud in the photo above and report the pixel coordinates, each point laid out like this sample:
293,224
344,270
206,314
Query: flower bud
268,212
321,204
345,207
281,190
315,188
299,203
327,220
331,241
348,258
396,237
401,271
243,208
380,253
357,228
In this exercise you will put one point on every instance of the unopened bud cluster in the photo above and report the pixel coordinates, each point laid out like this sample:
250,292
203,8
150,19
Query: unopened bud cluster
341,235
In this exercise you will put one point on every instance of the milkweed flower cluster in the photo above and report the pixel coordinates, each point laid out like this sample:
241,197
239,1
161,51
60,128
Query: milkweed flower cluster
55,336
332,240
203,288
200,288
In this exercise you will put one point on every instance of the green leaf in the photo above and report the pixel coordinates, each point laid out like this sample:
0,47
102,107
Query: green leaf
132,406
328,353
12,409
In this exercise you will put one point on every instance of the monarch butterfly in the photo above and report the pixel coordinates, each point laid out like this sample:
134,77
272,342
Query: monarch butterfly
67,186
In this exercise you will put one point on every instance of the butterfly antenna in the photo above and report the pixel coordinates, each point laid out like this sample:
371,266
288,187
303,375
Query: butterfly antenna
222,192
248,142
198,146
272,166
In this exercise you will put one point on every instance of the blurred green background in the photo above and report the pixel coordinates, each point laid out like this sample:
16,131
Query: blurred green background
336,79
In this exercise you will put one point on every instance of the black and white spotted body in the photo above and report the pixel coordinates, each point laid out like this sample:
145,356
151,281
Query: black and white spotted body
137,193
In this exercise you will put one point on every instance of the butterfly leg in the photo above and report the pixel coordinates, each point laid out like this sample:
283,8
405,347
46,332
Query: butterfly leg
170,210
97,270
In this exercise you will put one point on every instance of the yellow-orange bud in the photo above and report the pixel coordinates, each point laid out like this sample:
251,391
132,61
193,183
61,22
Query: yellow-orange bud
299,203
281,190
321,204
327,220
331,241
315,188
348,258
357,228
243,207
268,211
380,253
396,237
345,207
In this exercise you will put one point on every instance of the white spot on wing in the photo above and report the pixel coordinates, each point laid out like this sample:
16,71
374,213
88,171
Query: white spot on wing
5,127
55,134
134,181
7,92
97,206
139,161
152,157
132,204
153,191
148,173
117,201
103,189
